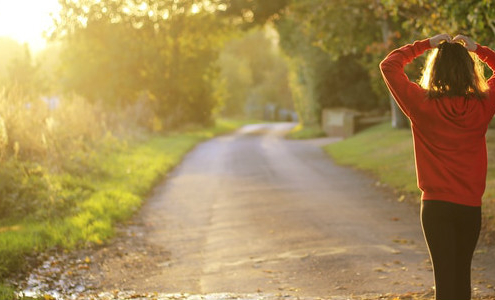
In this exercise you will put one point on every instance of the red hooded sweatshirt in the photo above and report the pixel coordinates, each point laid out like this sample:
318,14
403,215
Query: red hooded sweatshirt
448,133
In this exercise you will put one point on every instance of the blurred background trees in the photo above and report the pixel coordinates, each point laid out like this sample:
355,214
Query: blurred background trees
162,52
255,74
349,38
189,61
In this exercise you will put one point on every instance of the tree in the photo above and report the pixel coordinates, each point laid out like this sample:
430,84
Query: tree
322,79
254,12
366,25
24,74
255,73
9,49
427,18
117,50
101,62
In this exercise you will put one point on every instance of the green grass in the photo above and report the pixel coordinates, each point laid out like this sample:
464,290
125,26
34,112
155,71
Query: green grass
300,132
106,188
7,292
388,154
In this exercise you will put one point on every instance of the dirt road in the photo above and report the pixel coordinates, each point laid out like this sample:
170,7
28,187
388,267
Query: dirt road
252,212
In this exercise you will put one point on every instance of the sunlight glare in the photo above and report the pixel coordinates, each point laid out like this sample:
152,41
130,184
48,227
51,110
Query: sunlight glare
26,20
195,8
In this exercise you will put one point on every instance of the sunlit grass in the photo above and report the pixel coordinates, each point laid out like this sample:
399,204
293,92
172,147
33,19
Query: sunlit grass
7,292
388,154
115,188
301,131
385,151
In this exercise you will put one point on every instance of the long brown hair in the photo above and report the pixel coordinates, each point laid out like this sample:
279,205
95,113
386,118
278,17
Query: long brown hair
451,70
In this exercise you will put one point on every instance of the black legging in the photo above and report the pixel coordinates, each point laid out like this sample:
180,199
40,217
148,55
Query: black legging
451,232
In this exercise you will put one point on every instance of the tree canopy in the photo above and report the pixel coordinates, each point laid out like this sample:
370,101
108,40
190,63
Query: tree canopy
255,74
168,51
364,31
119,51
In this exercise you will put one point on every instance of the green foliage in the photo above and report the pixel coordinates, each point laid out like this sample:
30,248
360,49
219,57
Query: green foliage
99,63
300,53
319,80
366,31
238,79
375,27
91,203
334,55
25,190
255,74
31,130
7,293
162,51
340,27
419,19
254,12
303,95
344,83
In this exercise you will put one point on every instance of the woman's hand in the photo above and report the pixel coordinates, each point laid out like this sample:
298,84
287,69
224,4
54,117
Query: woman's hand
468,43
437,39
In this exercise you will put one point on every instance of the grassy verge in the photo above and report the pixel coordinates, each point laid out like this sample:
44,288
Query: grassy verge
388,153
98,191
384,151
300,132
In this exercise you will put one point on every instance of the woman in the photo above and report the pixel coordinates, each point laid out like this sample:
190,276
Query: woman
449,114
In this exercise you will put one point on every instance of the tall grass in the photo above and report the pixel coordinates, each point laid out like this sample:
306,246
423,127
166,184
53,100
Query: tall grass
35,141
32,130
69,174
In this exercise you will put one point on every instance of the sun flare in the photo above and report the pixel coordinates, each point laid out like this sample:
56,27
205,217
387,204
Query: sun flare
26,20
